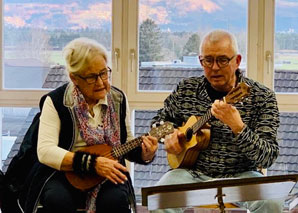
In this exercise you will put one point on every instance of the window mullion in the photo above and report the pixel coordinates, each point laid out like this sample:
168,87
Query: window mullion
268,51
117,42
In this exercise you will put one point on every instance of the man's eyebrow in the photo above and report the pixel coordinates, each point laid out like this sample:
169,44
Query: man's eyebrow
210,56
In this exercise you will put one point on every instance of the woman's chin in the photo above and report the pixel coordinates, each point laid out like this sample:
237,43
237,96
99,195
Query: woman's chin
100,95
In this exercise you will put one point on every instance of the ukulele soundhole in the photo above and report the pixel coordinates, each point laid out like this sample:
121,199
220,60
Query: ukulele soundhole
189,133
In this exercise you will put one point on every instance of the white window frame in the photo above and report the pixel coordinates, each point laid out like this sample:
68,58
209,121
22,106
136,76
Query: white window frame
261,32
260,56
30,98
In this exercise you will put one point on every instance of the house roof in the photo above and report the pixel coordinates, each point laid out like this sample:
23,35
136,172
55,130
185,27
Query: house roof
56,77
286,81
163,78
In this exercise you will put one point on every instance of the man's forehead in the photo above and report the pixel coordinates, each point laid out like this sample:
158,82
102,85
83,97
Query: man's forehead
214,55
217,49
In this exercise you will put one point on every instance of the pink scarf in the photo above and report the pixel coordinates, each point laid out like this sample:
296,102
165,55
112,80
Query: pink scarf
108,133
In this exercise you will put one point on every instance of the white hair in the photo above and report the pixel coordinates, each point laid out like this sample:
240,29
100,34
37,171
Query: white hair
78,53
217,35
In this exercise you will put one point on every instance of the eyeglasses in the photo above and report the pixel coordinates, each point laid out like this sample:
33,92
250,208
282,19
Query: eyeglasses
104,75
221,61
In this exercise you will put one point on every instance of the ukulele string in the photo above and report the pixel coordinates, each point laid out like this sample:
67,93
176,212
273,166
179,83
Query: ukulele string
198,125
122,149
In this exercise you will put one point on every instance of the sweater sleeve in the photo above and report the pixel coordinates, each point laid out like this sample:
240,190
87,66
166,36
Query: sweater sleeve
48,151
259,143
171,110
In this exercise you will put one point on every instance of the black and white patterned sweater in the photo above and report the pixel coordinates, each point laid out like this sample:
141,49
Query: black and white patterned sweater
256,146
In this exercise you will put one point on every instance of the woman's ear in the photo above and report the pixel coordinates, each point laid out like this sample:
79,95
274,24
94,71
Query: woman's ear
73,79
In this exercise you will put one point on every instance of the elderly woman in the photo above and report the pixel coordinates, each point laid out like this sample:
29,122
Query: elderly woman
83,113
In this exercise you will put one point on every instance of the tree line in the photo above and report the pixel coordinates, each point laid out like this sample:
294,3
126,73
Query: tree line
154,44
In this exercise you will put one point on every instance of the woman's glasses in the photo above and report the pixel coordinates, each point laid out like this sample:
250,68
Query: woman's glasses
91,79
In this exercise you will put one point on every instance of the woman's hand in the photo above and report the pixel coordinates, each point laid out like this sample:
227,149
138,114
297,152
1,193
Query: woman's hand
149,147
227,114
110,169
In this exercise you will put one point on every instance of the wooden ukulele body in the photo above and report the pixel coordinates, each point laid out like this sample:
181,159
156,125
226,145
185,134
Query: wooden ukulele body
84,182
191,147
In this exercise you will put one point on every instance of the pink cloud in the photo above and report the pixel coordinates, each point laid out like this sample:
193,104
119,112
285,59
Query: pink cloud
158,14
192,5
94,16
159,10
15,21
26,12
97,14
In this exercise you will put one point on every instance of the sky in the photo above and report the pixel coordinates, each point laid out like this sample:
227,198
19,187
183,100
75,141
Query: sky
173,15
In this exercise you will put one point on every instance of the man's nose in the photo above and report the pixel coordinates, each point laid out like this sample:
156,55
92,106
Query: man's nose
215,66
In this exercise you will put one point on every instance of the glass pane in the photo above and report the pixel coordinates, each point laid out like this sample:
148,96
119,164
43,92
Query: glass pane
170,33
36,31
14,124
286,47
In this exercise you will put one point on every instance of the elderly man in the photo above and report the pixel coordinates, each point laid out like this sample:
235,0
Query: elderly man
242,135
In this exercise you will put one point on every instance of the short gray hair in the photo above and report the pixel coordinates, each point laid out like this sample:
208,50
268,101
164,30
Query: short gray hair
217,35
78,53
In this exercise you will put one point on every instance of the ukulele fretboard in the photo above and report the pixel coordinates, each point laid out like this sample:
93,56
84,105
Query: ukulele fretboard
203,120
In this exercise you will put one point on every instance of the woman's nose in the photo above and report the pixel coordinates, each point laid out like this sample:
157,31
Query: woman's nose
99,80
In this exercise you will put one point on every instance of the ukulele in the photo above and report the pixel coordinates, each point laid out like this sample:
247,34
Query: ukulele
84,182
197,138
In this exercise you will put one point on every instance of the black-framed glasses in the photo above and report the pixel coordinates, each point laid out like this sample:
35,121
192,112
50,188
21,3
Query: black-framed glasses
221,61
103,74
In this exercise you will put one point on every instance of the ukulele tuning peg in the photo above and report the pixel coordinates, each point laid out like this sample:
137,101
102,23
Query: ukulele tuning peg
156,124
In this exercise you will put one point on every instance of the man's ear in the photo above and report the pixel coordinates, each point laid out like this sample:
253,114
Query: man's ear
73,79
238,59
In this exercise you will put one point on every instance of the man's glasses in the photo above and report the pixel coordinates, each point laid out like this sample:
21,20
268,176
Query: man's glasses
104,75
221,61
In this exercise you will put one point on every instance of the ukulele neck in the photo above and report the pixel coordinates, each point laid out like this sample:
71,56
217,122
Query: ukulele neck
202,121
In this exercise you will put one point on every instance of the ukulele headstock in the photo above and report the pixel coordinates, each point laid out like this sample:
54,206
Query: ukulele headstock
237,93
162,130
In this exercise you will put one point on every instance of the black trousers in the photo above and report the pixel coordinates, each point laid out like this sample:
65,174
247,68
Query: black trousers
59,196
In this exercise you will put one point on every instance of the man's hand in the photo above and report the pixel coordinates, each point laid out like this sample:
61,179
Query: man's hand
172,144
227,114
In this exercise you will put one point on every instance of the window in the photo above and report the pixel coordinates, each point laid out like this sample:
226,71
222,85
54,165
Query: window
170,33
286,47
35,33
14,124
